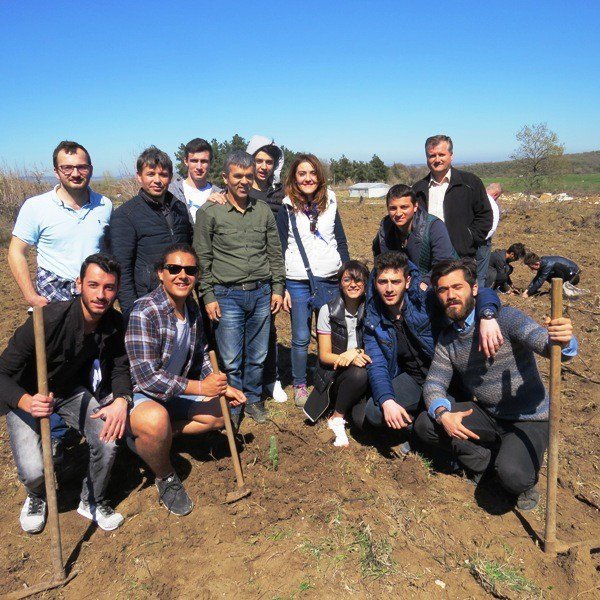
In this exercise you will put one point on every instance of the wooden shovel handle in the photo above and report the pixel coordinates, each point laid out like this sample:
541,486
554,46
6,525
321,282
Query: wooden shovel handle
42,377
237,466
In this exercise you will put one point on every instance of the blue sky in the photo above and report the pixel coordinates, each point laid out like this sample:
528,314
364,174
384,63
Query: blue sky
329,77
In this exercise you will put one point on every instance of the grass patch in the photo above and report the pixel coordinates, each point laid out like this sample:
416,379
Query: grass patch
273,452
499,579
375,554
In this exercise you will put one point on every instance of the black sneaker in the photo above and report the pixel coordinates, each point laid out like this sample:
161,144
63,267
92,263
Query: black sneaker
473,478
528,499
257,412
173,496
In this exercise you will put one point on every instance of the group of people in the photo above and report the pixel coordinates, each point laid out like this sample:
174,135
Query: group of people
415,346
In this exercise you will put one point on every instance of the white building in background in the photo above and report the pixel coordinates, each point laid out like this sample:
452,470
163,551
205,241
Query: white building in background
368,190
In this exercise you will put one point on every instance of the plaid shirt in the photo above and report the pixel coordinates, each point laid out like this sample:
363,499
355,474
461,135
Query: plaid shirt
54,288
150,341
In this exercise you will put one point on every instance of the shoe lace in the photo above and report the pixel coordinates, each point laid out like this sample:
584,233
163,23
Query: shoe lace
105,509
171,484
36,505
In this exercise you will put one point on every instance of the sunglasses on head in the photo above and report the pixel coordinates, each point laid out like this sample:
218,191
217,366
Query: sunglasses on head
190,270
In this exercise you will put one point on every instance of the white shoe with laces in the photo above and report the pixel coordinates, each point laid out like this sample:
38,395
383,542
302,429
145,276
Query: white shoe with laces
102,514
337,425
33,514
277,392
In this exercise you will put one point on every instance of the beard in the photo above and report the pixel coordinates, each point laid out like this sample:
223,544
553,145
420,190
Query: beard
460,311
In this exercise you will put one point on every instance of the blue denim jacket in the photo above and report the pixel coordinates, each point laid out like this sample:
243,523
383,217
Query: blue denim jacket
425,319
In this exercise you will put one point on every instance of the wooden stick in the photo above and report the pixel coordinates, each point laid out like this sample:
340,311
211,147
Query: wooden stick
42,377
550,543
237,466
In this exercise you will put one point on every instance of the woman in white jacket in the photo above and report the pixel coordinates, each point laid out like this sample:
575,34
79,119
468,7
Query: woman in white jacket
313,208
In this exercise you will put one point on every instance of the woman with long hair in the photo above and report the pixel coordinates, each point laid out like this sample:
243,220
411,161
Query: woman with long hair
314,248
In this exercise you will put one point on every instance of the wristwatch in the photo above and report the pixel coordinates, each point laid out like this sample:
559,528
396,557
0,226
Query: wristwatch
127,399
487,313
438,416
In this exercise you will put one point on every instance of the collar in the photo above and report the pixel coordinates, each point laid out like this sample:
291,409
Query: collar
57,200
468,323
446,179
249,205
153,203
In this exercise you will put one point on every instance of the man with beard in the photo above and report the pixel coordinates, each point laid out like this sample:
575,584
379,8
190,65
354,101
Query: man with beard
242,278
141,228
78,332
506,427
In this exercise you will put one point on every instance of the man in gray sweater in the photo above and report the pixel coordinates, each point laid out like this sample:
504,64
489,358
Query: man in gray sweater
506,427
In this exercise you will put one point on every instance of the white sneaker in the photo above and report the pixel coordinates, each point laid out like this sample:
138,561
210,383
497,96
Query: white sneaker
33,514
337,425
277,392
102,514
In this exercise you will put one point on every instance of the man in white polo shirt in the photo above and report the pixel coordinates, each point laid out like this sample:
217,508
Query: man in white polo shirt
65,225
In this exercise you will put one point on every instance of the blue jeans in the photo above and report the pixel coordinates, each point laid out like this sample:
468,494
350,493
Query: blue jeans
242,336
301,322
483,262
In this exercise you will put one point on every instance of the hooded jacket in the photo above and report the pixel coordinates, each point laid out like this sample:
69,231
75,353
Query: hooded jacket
275,194
427,242
176,188
425,319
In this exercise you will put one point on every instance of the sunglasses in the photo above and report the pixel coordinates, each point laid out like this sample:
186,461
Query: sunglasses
190,270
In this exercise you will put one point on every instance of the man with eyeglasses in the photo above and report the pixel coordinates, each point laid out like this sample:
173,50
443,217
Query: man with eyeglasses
175,390
65,225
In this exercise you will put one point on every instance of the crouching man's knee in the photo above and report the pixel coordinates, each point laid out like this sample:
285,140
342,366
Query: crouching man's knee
515,478
151,420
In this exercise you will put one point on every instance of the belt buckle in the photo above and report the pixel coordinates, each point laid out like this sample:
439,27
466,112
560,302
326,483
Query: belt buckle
246,287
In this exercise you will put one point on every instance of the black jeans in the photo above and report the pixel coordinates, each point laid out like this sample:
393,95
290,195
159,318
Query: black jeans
407,394
348,388
519,446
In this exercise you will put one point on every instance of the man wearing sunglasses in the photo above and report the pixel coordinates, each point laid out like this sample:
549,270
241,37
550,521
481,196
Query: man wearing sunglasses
175,390
65,225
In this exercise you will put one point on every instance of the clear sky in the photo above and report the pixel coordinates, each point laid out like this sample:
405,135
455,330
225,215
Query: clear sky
326,76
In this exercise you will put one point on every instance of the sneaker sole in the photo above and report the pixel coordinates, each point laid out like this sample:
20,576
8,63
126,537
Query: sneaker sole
88,515
34,531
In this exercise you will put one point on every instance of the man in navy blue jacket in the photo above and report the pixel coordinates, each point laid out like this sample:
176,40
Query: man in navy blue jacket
402,323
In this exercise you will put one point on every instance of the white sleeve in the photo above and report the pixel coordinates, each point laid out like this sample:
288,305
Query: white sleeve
27,226
323,324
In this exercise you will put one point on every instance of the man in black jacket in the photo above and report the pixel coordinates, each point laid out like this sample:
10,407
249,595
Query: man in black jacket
81,334
456,197
500,269
141,228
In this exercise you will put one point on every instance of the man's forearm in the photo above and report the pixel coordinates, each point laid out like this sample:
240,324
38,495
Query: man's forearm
20,270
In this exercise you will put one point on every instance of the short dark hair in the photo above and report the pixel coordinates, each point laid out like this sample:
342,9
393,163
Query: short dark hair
355,269
69,148
531,258
198,145
238,158
434,140
400,190
271,149
153,157
180,247
393,260
467,265
106,262
518,250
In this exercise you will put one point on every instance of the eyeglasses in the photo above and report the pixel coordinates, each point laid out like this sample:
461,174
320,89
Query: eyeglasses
349,280
190,270
68,169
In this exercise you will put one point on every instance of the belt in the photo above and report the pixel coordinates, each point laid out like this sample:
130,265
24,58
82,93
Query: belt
246,287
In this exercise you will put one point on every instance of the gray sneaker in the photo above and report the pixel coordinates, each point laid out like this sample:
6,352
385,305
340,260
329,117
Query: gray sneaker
300,395
257,412
102,514
173,496
528,499
33,514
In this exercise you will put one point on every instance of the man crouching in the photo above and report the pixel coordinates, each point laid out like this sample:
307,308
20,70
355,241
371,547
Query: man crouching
175,390
506,428
84,339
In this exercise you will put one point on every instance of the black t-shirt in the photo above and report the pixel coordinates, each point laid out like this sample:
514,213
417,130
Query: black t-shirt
77,369
411,358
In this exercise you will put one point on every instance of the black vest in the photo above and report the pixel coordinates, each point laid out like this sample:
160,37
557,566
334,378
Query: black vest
339,339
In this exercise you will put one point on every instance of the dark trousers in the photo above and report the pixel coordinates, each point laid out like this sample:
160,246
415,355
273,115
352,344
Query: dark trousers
407,394
271,372
348,388
518,446
482,258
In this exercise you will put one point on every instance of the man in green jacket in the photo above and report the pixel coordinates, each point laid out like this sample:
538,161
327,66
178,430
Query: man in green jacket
242,278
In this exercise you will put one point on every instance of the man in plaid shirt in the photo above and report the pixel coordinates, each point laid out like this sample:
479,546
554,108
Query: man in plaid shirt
175,390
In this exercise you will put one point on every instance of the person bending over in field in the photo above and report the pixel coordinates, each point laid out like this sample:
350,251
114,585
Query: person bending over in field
402,322
548,267
500,268
341,378
408,227
78,333
175,390
506,427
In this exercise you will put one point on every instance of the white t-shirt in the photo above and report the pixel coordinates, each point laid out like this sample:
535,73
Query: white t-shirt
195,197
324,325
181,347
496,212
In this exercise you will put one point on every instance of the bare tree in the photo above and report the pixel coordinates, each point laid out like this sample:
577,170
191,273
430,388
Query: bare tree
539,154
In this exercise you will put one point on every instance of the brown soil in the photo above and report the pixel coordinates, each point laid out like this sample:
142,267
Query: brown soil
328,523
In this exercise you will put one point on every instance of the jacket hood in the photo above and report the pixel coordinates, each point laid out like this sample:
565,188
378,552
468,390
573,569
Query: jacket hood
260,141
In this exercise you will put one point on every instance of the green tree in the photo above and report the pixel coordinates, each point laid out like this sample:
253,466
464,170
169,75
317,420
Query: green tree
398,173
377,171
539,154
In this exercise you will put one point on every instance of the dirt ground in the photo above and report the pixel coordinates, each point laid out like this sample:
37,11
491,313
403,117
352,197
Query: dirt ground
327,523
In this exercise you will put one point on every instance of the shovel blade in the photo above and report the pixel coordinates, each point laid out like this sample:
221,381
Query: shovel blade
237,495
